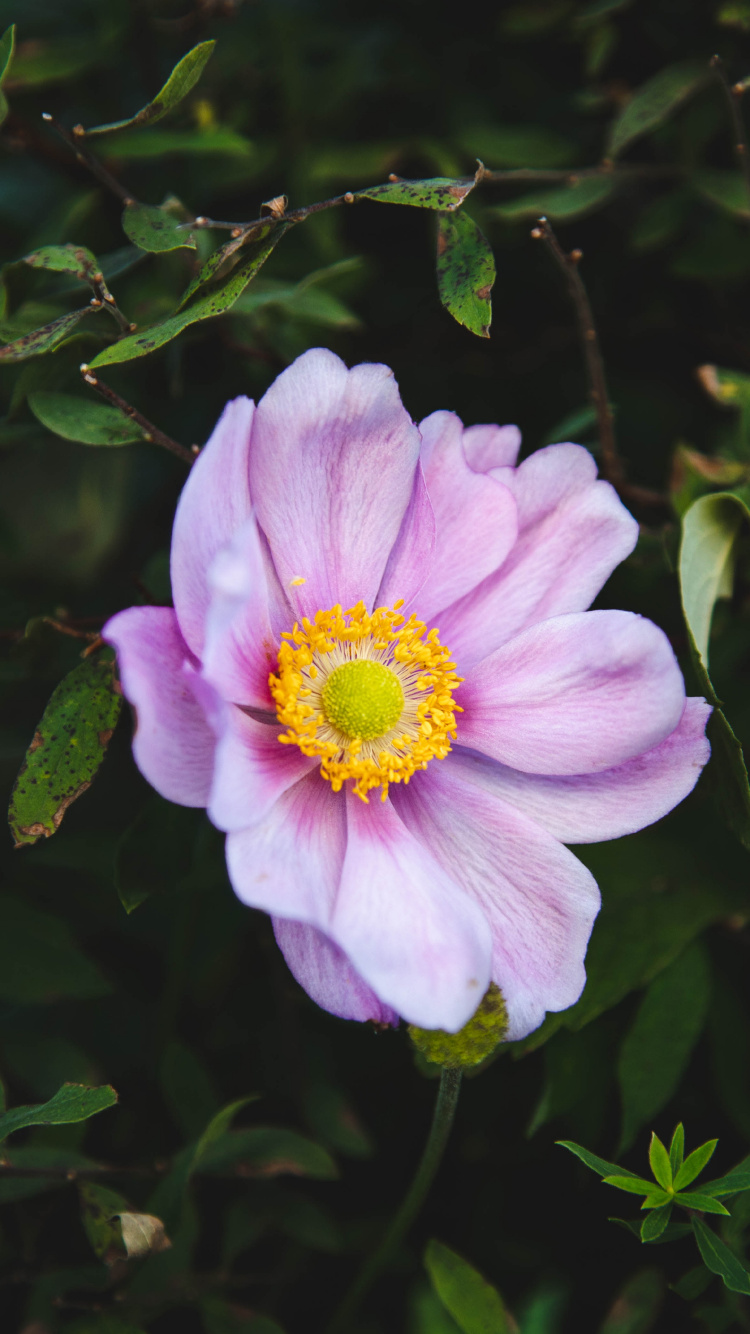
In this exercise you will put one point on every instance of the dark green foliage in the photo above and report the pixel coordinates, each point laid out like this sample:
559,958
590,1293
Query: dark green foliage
603,116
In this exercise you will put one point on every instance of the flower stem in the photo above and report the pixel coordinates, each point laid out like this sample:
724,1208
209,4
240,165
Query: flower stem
442,1120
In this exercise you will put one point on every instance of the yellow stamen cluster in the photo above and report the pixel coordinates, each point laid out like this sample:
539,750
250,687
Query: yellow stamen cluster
311,657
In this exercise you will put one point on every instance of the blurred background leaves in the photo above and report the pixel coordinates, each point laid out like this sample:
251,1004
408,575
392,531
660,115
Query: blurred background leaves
124,957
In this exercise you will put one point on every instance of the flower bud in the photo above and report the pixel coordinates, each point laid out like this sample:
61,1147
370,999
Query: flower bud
471,1044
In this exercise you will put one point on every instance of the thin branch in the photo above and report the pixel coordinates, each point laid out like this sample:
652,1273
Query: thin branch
733,94
93,164
150,432
568,263
612,465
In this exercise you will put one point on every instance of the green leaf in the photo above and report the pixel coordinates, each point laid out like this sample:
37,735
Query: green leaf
657,1047
100,1207
40,961
67,749
268,1151
635,1185
697,1200
215,261
518,145
155,228
77,418
692,1284
598,1165
733,1183
465,271
677,1149
660,1164
144,144
694,1164
727,189
636,1306
656,1199
64,259
475,1305
43,340
215,302
155,852
72,1102
709,533
181,81
7,44
719,1259
655,1222
440,193
654,101
576,200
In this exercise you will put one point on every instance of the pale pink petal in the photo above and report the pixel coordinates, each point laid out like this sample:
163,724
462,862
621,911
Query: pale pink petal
420,942
215,502
327,975
475,517
539,899
573,531
589,808
412,554
331,472
173,744
573,695
488,447
240,650
252,769
289,863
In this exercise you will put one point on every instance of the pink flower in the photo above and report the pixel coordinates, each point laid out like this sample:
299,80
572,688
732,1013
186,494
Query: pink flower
524,724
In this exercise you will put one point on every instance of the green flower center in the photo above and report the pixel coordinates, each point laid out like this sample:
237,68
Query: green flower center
363,699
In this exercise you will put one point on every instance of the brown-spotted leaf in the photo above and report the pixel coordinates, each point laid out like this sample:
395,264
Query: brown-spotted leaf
440,193
214,302
43,340
74,259
465,272
67,749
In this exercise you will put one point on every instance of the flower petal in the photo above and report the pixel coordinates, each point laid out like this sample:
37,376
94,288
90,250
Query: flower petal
588,808
410,932
252,769
573,531
413,551
327,975
331,473
475,517
574,695
488,447
289,863
173,744
241,649
539,899
215,502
